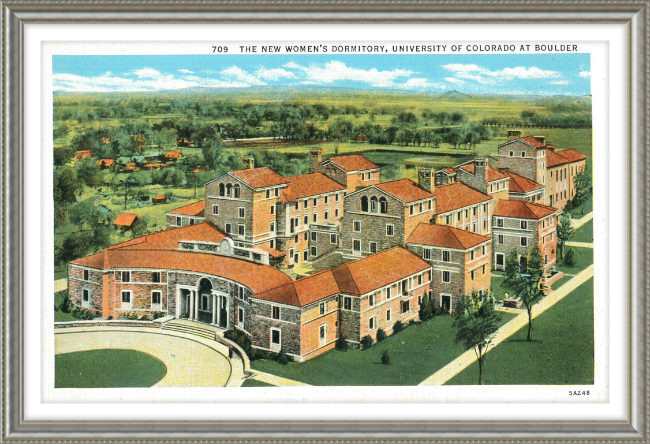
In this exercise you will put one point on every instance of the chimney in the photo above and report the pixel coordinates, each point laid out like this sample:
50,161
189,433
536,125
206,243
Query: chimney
248,162
541,139
426,179
480,172
316,158
514,134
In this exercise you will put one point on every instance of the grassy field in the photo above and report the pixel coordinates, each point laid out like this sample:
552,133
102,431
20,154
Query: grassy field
583,209
561,354
107,368
59,316
415,353
583,257
585,233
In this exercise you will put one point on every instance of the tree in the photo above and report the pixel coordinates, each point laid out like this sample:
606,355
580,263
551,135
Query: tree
564,232
476,323
65,186
426,309
525,283
212,154
582,183
62,155
85,212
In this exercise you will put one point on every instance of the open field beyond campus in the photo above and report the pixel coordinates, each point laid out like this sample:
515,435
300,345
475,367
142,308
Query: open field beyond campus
415,353
107,368
562,351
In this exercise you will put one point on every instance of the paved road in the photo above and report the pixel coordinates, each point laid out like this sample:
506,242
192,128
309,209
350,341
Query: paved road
190,361
466,359
579,244
577,223
275,380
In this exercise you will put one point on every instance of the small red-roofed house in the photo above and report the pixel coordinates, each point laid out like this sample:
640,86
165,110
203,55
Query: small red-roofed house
105,163
461,262
520,225
352,171
125,221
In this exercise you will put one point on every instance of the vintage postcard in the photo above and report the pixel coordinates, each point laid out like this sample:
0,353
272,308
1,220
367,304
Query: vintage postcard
292,215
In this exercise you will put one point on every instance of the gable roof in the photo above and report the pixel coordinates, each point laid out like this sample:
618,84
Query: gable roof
308,185
522,209
125,219
169,239
105,161
352,162
492,174
193,209
532,140
445,236
555,158
260,177
455,195
404,189
521,184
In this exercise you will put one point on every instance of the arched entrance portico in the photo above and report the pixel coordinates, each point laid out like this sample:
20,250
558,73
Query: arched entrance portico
202,303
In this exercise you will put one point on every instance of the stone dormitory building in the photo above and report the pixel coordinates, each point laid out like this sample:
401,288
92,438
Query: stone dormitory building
298,262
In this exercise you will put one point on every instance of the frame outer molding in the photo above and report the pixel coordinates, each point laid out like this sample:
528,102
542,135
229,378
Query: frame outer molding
15,15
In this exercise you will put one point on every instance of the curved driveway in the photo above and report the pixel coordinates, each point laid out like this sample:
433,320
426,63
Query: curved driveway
190,361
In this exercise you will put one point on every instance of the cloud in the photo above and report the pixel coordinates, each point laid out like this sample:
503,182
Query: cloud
486,76
585,74
420,84
274,74
454,80
338,71
147,73
186,71
560,82
239,74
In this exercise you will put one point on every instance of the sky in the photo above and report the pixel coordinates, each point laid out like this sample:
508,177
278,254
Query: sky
538,74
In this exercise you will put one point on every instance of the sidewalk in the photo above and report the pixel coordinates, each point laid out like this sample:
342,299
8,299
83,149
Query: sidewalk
466,359
61,284
577,223
579,244
276,380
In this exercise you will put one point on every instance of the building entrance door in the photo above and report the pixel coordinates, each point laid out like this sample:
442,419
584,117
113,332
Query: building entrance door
223,312
185,304
445,304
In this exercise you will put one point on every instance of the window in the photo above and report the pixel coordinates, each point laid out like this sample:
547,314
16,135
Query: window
421,207
336,197
322,334
179,221
430,204
419,279
295,239
356,245
222,189
327,200
240,292
500,259
275,312
305,220
275,340
373,323
229,190
272,243
327,215
336,212
215,211
357,225
315,218
474,211
524,241
290,253
156,298
524,225
322,308
459,215
86,275
446,277
405,290
228,228
446,256
499,222
523,154
315,202
237,190
241,229
313,251
388,293
474,227
426,253
347,303
272,227
500,239
333,239
364,203
85,297
374,204
466,214
512,154
277,192
272,209
483,250
305,255
242,212
405,306
412,209
371,300
126,299
390,230
314,236
471,255
155,276
306,204
383,205
448,220
485,224
471,273
240,317
373,247
126,276
485,208
389,314
268,194
305,236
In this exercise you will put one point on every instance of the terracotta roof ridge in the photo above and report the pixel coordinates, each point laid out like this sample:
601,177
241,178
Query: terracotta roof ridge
453,232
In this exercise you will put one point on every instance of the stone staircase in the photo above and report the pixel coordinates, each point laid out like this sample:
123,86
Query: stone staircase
192,328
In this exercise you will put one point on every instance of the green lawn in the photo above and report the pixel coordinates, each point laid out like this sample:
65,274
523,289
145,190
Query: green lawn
415,354
583,257
107,368
561,354
59,316
585,233
583,209
561,282
255,383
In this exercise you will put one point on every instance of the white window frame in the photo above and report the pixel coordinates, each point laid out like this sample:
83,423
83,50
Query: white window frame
157,306
372,323
323,308
322,338
86,274
443,277
275,347
523,241
313,251
90,296
426,253
448,255
354,251
392,229
375,245
239,229
242,212
503,261
333,239
327,200
354,226
241,317
346,299
523,224
389,315
126,273
273,307
272,227
129,305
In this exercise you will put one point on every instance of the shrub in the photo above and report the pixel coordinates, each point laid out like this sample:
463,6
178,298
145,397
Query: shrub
570,258
398,326
381,335
66,305
413,322
366,342
426,309
282,358
158,314
385,358
240,338
341,343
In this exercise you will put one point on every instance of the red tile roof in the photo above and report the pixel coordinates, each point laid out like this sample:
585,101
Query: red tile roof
404,189
173,154
521,184
456,195
555,158
169,239
260,177
533,141
492,174
308,185
353,162
193,209
105,162
522,209
125,219
448,170
445,236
